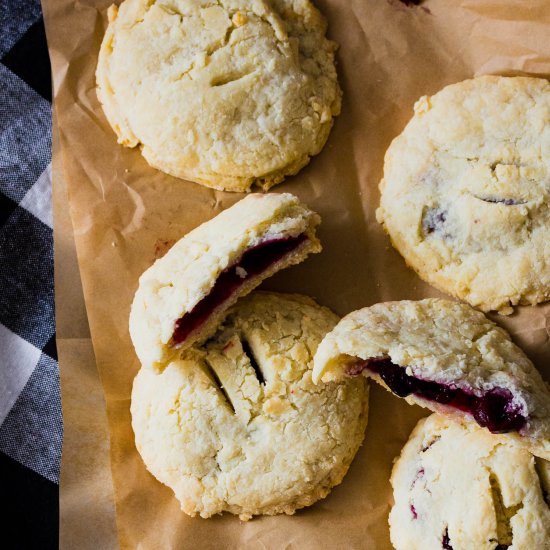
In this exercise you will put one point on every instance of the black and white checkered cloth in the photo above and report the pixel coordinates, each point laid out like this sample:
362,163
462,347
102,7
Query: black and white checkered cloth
31,428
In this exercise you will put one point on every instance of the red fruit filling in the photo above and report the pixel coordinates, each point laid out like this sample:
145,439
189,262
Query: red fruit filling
493,409
252,263
434,220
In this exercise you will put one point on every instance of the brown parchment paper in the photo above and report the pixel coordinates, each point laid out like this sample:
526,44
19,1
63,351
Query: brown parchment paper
86,502
124,212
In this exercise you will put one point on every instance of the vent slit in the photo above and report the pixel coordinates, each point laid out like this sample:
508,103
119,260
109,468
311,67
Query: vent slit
429,444
500,200
544,478
503,514
218,383
227,79
253,363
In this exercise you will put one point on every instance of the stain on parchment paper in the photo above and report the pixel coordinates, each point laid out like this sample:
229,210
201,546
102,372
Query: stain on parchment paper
162,246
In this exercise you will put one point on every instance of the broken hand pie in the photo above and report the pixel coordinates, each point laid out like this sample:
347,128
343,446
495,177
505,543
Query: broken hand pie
447,357
224,409
184,295
236,424
458,487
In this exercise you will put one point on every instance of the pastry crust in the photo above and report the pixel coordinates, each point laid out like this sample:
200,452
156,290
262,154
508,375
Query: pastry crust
271,441
178,281
456,486
226,93
444,342
466,191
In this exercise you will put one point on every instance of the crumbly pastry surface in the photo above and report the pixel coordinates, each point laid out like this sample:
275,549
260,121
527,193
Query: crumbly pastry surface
466,191
271,441
457,487
444,356
226,93
177,282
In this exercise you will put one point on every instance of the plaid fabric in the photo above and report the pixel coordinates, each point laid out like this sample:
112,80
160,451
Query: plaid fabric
31,427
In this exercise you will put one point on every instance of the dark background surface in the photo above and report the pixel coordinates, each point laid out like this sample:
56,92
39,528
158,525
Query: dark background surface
31,433
32,506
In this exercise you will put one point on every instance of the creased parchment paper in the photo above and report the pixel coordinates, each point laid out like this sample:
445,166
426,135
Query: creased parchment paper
125,214
86,502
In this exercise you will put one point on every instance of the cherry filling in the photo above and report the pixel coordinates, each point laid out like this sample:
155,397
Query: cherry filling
252,263
493,410
434,220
